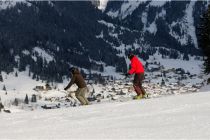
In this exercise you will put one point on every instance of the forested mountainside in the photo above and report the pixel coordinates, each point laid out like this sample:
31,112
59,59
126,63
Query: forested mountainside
48,37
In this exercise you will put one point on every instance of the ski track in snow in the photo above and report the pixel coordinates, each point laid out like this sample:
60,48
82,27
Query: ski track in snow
181,116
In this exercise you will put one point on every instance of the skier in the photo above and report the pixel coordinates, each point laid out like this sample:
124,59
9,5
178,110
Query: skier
138,69
78,79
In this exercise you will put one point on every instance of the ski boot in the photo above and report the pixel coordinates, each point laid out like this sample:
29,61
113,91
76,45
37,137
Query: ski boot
138,97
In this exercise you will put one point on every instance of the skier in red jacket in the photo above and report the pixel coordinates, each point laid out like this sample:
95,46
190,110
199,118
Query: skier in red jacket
138,69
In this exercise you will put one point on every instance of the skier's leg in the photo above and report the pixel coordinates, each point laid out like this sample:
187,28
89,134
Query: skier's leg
83,92
141,78
137,89
79,97
136,85
143,90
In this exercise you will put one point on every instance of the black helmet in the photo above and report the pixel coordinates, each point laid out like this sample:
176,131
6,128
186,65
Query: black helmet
130,55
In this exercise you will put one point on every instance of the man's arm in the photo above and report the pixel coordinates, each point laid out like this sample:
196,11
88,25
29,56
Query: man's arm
70,83
133,68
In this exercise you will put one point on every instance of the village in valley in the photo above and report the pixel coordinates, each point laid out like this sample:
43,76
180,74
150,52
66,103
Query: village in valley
159,82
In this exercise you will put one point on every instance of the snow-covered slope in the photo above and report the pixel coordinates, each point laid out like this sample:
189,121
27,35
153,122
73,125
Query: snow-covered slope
4,4
174,117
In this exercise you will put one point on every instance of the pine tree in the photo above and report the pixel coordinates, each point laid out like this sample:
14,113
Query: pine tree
26,101
204,38
164,73
146,65
34,76
16,102
185,57
101,68
162,82
121,92
37,78
33,98
4,88
29,73
1,78
16,74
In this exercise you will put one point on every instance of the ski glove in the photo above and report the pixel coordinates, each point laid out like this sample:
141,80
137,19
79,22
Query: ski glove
127,74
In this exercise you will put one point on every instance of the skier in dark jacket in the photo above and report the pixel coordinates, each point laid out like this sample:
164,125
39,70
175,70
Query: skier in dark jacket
138,69
78,79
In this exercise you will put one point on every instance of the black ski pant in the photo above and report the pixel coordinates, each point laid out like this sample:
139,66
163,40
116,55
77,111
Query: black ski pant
137,84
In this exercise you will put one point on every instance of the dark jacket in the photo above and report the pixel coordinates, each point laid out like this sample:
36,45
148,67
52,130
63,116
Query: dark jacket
77,79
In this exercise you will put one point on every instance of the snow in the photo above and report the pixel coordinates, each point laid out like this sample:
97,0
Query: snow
190,20
162,14
109,70
26,52
187,28
193,66
152,28
103,4
4,4
158,3
110,25
101,35
129,6
182,38
173,117
113,14
22,82
42,53
144,18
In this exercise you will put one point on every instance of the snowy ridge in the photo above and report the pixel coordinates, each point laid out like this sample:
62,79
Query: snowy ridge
187,27
182,28
127,8
131,5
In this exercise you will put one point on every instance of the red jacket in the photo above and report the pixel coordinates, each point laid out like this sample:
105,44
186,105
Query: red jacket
136,66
